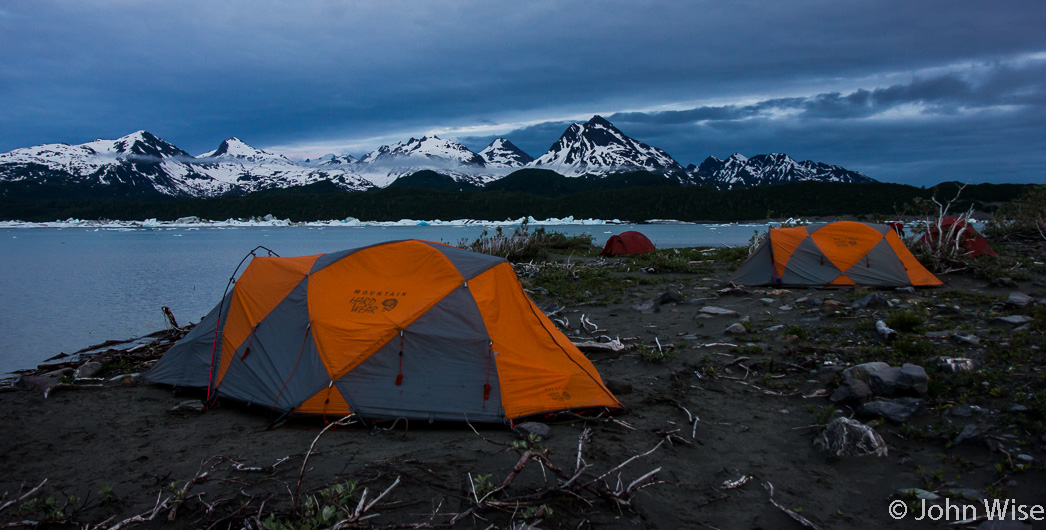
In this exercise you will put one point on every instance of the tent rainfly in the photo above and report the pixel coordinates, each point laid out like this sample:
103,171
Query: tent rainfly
628,242
405,329
833,254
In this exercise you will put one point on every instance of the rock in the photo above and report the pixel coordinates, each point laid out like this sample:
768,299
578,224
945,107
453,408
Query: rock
766,301
1016,320
886,382
39,383
128,380
775,329
668,298
647,308
969,494
961,411
907,380
736,328
851,391
918,493
528,428
956,364
861,371
717,311
1018,299
937,334
88,369
909,290
884,330
1019,408
617,386
846,437
967,339
872,301
969,433
914,378
193,406
832,306
785,307
898,410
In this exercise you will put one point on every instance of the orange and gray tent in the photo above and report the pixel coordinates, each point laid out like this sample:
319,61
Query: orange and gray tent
405,329
833,254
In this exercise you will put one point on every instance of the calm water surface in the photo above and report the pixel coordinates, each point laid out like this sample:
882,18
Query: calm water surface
63,289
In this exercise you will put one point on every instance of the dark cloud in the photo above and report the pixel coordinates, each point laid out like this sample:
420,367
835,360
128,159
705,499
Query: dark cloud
275,73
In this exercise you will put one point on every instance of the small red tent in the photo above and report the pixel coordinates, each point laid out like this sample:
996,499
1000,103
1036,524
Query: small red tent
957,229
630,242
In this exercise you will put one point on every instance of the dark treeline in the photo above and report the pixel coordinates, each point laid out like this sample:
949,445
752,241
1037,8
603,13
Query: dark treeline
621,200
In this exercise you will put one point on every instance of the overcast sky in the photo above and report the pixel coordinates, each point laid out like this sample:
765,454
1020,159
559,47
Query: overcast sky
913,92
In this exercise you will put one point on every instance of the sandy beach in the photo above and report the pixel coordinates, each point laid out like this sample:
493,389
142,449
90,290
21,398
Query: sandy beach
719,430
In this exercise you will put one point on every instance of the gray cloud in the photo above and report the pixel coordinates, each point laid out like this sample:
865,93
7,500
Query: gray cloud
197,72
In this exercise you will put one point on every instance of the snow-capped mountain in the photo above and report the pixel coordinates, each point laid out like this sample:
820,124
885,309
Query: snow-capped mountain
141,164
390,162
504,154
597,147
738,171
331,161
236,151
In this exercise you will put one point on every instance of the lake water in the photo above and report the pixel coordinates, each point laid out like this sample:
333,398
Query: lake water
63,289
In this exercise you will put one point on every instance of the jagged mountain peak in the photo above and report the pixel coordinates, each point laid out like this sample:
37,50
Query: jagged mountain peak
739,171
502,153
597,147
238,151
138,144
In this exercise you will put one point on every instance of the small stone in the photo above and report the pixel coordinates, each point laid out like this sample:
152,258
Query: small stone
718,311
775,329
1016,320
617,386
1018,299
88,369
128,380
861,371
851,391
668,298
918,493
786,307
909,290
969,494
647,308
1025,458
937,334
846,437
872,301
967,339
193,406
525,429
956,364
1019,408
736,328
887,333
832,306
961,411
898,410
767,301
969,432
